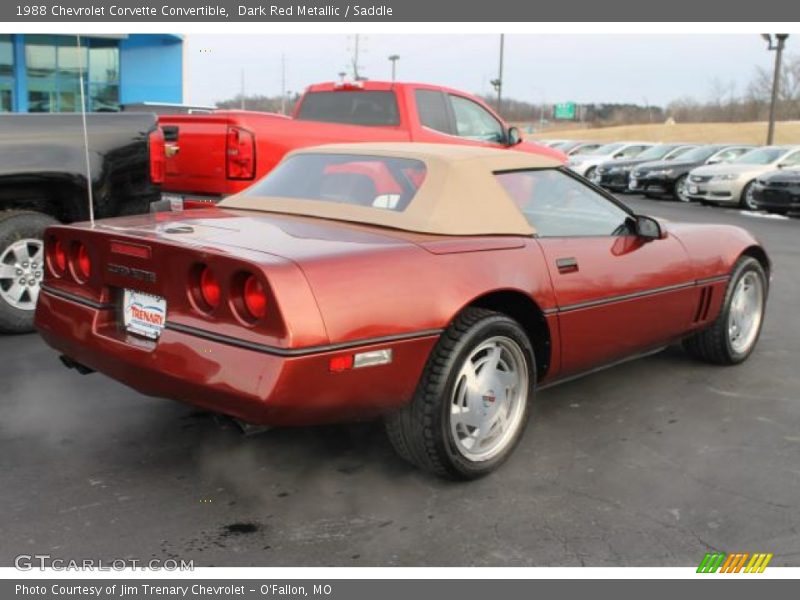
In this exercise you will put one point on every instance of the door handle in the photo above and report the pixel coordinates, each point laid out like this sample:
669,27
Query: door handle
567,265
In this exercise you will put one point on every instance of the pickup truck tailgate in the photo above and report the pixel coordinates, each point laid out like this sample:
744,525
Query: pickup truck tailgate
195,147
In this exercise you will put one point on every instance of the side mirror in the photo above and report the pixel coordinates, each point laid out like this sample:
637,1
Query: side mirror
513,136
713,161
784,165
648,228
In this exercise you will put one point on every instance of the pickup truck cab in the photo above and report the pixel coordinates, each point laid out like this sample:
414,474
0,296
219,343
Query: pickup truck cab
210,156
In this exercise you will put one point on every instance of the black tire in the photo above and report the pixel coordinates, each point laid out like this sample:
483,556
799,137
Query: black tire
420,432
680,183
16,225
745,200
713,343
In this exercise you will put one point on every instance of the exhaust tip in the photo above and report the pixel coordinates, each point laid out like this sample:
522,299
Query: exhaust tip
72,364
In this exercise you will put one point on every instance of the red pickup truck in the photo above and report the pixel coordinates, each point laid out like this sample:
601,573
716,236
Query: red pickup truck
215,154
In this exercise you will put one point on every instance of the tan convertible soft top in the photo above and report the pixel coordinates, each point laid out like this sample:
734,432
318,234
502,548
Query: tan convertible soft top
459,196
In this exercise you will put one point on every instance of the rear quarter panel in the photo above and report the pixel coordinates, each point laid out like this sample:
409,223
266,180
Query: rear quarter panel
407,289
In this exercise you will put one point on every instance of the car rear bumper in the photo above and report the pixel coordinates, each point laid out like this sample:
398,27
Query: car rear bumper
253,385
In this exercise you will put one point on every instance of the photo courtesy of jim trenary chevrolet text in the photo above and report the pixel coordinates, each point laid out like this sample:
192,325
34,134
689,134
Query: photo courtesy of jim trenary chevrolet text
399,299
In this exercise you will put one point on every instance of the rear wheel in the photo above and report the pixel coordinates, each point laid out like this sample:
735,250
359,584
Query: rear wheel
733,335
681,193
591,175
472,403
747,199
21,267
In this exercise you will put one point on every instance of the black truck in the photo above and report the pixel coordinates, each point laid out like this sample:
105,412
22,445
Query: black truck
43,180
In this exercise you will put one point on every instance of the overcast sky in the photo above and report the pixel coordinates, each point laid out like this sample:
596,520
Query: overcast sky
553,68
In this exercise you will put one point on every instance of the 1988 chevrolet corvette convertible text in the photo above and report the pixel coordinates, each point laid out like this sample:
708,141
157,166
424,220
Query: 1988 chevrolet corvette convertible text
434,286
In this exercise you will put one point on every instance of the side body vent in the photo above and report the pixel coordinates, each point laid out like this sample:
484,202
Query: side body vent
703,306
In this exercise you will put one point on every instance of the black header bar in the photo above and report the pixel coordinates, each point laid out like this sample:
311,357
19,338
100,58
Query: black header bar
397,11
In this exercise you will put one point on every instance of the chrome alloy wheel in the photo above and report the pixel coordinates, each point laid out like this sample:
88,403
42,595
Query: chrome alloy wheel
21,271
746,312
680,190
750,197
488,399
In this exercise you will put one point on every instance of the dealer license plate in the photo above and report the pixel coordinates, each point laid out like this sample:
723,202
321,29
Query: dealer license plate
144,314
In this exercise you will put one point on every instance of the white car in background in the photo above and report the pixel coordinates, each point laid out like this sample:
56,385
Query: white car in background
586,164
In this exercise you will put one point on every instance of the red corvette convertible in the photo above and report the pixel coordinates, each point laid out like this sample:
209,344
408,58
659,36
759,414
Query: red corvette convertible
434,286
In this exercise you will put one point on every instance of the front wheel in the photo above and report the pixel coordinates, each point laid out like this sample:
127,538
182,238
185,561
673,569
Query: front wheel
731,338
681,193
473,401
591,175
747,199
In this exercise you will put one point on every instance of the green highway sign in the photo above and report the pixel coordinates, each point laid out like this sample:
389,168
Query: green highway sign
564,111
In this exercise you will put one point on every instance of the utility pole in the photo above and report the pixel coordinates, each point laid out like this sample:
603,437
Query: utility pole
283,84
394,58
780,39
498,83
241,93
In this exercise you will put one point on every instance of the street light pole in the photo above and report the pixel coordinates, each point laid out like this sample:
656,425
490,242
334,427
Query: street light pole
776,78
394,58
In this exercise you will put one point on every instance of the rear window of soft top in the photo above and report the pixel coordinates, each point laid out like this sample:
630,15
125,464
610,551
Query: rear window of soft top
380,182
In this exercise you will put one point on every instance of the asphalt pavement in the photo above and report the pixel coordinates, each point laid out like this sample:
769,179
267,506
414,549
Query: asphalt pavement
651,463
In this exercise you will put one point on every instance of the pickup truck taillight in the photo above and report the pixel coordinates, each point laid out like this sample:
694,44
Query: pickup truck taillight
240,154
158,157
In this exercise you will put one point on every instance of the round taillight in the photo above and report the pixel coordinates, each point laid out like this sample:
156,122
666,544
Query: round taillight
58,257
255,297
83,264
210,290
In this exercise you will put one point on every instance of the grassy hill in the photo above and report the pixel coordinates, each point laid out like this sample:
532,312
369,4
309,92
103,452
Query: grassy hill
786,132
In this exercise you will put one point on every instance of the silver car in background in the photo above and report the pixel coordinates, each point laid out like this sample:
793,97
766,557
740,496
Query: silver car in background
732,183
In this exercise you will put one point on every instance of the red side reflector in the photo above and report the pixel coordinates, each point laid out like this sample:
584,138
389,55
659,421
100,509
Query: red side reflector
158,156
341,363
134,250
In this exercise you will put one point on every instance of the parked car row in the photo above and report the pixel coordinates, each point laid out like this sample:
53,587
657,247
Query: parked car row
754,178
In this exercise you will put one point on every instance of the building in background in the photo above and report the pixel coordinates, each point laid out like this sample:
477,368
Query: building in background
40,73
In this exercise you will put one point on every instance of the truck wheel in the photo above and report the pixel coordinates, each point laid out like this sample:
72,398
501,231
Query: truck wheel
21,267
473,401
732,337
